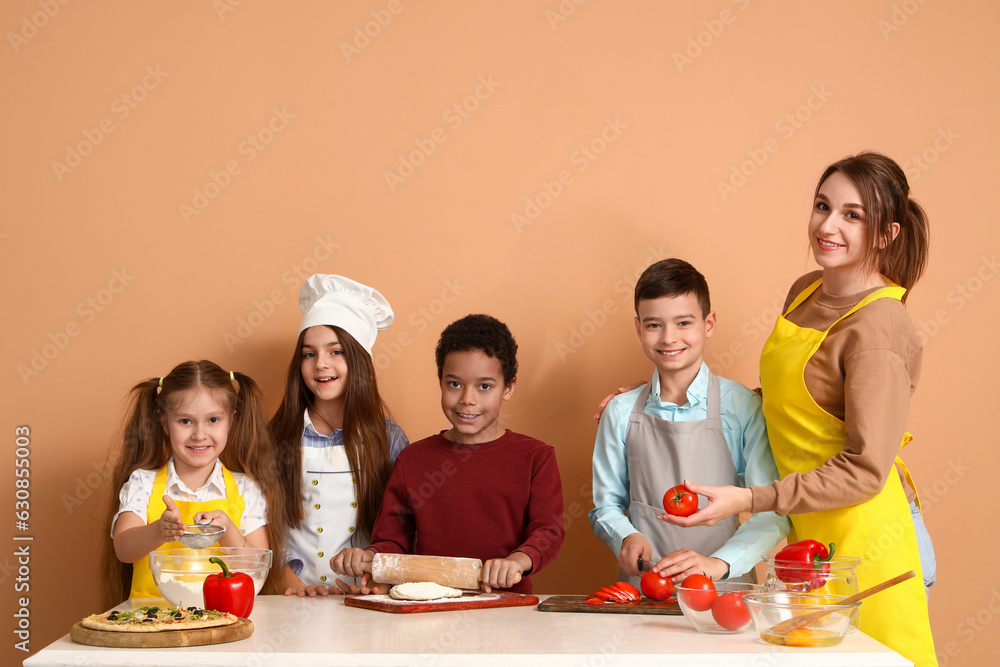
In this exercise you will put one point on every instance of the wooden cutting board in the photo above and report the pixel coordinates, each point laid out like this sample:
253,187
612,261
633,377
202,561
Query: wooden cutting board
480,601
166,639
576,603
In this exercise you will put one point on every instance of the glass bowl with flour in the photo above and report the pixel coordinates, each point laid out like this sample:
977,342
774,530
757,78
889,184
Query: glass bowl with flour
180,573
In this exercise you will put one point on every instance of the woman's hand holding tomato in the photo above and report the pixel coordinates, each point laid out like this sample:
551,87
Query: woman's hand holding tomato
723,502
679,501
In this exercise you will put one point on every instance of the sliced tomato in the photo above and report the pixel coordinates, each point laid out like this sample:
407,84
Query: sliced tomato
594,601
629,589
607,597
619,595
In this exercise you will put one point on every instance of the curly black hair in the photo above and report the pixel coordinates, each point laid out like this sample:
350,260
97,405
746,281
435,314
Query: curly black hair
479,332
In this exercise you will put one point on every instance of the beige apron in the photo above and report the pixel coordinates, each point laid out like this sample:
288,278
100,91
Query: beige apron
662,454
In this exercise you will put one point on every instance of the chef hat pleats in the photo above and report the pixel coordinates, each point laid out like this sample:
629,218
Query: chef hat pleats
357,309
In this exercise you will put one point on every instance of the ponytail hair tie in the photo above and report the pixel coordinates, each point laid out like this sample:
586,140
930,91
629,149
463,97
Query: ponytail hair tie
161,383
232,376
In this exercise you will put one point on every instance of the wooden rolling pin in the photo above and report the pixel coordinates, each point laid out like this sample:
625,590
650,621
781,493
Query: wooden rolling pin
404,568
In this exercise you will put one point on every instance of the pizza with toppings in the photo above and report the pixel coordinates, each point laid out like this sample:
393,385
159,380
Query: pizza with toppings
158,619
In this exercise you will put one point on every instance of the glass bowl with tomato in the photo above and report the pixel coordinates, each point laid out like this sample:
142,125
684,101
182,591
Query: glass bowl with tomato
715,607
769,609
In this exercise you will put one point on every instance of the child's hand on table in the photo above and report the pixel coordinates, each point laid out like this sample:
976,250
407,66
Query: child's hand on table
505,572
634,547
348,563
171,526
684,562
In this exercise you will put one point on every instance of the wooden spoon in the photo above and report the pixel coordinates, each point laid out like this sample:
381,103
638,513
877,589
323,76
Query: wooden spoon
787,626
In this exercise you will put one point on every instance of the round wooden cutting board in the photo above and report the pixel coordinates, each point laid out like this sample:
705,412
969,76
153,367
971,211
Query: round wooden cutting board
168,638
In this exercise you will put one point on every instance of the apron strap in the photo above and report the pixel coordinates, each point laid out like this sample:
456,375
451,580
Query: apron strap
714,398
803,295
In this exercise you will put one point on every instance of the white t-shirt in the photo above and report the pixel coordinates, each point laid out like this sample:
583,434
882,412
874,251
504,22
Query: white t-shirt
134,496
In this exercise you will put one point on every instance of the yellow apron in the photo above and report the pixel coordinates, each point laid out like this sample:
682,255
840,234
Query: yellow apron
879,531
232,504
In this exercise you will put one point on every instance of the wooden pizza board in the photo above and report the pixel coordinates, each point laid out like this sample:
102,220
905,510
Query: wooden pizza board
576,603
241,629
479,601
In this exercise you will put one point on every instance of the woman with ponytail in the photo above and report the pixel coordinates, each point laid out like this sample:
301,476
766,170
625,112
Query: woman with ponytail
195,448
837,373
335,441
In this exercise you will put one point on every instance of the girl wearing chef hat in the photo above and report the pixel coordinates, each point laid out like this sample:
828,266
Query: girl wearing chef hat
195,449
837,373
335,441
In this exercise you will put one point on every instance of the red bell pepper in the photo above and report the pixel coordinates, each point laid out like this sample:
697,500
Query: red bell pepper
804,562
228,591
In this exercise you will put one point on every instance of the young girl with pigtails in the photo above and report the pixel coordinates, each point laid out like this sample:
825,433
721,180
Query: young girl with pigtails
195,448
335,441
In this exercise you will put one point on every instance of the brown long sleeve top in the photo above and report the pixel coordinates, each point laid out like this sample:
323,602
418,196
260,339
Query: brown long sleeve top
863,373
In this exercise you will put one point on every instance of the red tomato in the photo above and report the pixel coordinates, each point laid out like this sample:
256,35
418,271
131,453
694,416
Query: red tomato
701,594
618,594
594,601
656,587
679,501
730,612
629,589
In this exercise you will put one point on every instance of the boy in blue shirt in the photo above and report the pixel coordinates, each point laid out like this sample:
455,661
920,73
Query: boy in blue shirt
685,423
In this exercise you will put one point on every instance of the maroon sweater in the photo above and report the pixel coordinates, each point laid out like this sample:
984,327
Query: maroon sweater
475,501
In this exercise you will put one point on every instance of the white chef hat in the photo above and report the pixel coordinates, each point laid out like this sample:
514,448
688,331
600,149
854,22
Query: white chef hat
357,309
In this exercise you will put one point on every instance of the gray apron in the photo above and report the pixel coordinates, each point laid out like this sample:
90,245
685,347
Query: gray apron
663,453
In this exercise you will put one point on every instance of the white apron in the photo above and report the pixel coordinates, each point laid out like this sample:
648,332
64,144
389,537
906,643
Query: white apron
330,513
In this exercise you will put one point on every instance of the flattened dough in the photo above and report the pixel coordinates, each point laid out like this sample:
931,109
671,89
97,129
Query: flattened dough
423,590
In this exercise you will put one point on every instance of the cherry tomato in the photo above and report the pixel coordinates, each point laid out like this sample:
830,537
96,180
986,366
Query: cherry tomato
679,501
730,612
700,594
629,589
656,587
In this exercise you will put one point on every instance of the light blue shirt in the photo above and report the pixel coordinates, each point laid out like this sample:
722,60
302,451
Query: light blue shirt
745,433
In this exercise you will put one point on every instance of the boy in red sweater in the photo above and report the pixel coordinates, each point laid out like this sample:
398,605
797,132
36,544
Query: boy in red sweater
476,490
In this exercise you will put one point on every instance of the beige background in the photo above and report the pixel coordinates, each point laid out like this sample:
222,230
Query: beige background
172,170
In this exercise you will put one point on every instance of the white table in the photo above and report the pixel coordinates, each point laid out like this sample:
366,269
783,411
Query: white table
323,631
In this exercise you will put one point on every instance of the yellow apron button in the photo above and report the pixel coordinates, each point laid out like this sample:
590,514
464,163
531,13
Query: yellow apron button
319,530
315,482
354,481
354,504
351,529
320,554
316,506
323,578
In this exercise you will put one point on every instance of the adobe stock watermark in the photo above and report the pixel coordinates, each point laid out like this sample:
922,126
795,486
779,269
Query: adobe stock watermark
898,17
370,30
958,298
263,308
30,25
122,107
580,333
971,627
580,159
703,39
419,321
919,163
562,12
248,149
750,332
87,311
223,7
786,127
454,117
85,485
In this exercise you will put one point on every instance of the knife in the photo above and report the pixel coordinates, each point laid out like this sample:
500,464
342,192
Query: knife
645,565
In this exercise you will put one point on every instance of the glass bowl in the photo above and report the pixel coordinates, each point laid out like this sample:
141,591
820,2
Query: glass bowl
840,578
179,574
719,612
768,609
